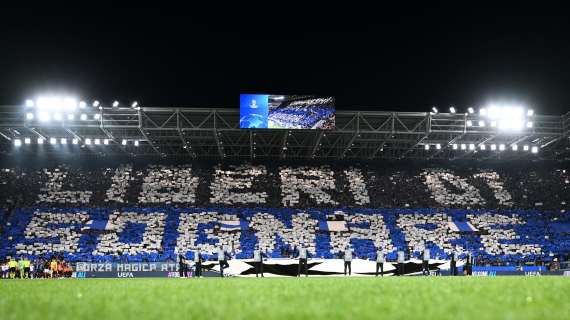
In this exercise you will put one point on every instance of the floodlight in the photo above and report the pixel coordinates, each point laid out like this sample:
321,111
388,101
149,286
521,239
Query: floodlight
525,147
115,104
27,140
501,147
105,141
96,116
135,104
69,104
529,124
52,141
452,109
29,116
124,142
471,146
426,146
44,116
438,146
470,110
530,112
83,117
97,141
30,103
534,149
82,104
136,143
75,141
463,146
96,103
515,147
63,141
483,112
40,141
493,147
17,142
454,146
88,141
481,123
469,123
70,116
493,124
434,109
57,116
482,147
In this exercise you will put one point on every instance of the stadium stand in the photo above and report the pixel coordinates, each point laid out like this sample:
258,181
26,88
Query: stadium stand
138,212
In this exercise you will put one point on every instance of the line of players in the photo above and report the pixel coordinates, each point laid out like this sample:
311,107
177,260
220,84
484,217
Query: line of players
24,268
303,256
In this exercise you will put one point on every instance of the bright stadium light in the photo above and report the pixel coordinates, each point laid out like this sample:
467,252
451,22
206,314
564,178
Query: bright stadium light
471,146
63,140
454,146
70,117
426,146
97,141
17,142
124,142
44,116
88,141
69,104
434,109
115,104
105,141
529,124
493,124
483,112
470,110
515,147
52,141
534,149
96,116
482,147
30,103
135,104
82,104
29,116
530,112
40,141
452,109
83,117
493,147
27,140
57,116
463,146
525,147
469,123
136,143
74,141
481,123
501,147
96,103
438,146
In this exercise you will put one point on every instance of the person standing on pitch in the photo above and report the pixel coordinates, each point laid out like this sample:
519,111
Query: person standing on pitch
302,262
182,267
222,260
380,262
425,261
197,264
453,264
401,260
348,260
258,262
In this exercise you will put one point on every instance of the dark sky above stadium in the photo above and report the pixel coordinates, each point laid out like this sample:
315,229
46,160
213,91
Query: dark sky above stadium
369,59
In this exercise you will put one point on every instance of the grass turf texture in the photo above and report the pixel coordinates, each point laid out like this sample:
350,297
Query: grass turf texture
281,298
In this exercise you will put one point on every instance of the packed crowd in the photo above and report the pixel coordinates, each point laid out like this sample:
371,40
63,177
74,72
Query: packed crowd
302,117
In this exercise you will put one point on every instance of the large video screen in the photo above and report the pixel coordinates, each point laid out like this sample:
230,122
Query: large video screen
259,111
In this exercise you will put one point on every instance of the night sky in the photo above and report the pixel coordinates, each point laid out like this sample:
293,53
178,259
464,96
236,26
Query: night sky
368,61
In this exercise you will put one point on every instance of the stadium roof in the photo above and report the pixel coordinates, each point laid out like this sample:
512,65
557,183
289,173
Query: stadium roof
214,133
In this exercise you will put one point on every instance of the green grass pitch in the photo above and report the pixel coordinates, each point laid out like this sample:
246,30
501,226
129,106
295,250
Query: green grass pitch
286,298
